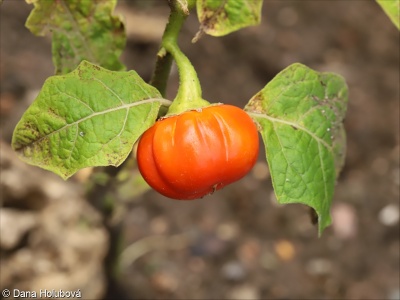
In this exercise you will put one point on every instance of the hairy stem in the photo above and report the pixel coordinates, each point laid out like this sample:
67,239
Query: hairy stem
161,72
164,58
189,92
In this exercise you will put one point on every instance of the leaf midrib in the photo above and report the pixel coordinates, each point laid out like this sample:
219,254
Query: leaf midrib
296,125
318,139
80,34
109,110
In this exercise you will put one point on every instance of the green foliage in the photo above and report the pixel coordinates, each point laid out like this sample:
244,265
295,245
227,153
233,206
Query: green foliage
89,117
220,17
392,9
300,113
81,30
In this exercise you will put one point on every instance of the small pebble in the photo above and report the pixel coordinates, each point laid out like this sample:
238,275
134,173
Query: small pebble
159,225
319,266
233,271
244,292
394,294
389,215
164,281
285,250
344,221
227,231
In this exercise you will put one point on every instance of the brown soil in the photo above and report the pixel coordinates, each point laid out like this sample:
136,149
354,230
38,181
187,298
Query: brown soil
238,243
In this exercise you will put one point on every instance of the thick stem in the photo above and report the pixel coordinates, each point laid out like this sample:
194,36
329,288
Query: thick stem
164,58
189,92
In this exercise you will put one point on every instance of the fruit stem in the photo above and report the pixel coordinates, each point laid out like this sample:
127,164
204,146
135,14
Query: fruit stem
189,92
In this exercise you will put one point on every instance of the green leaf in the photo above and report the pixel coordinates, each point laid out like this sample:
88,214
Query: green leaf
89,117
392,9
300,113
220,17
82,30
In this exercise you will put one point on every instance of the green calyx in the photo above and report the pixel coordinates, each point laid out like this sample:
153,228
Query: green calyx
189,95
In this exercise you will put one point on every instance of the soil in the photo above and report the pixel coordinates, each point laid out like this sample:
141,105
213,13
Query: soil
238,243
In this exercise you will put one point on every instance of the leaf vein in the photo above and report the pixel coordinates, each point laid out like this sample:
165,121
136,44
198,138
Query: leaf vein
79,100
112,109
74,142
110,90
287,160
323,174
78,29
272,119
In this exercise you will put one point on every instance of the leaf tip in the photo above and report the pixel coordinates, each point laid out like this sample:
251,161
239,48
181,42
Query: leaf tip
323,223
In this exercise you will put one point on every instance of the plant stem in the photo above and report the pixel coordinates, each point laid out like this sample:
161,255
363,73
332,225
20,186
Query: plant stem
161,72
189,92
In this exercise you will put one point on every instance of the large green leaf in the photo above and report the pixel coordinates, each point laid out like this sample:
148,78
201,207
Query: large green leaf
82,30
301,114
89,117
220,17
392,9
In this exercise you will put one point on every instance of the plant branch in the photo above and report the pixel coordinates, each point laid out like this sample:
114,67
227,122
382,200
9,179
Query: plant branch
189,93
161,71
164,59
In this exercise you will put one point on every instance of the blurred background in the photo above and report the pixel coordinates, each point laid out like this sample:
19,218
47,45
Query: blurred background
237,243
